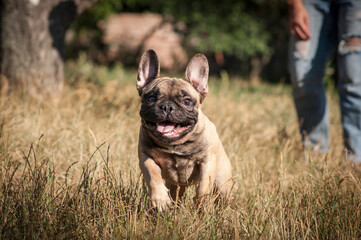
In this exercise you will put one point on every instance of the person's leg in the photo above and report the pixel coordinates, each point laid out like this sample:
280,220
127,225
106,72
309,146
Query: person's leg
349,85
307,63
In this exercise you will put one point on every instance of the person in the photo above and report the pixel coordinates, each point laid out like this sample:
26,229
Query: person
319,29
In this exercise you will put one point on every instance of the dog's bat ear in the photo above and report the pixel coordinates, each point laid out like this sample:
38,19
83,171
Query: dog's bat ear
148,69
197,74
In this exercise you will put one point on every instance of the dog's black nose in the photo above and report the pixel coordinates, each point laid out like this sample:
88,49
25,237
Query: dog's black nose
167,107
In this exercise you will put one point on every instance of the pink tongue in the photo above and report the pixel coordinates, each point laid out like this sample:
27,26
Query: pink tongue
165,127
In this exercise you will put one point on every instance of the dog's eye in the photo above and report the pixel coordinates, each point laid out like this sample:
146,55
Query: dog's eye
152,99
187,101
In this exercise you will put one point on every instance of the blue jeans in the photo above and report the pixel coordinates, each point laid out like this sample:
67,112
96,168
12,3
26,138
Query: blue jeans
332,22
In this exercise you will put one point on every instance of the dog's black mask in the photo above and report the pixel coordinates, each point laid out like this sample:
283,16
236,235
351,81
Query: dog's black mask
170,106
169,111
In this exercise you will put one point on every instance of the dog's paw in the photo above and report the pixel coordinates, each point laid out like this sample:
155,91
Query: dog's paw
161,200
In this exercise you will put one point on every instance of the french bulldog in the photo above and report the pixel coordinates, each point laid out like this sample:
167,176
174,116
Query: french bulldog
178,145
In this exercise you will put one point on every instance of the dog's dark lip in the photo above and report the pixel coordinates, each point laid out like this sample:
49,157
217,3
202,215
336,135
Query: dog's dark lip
182,124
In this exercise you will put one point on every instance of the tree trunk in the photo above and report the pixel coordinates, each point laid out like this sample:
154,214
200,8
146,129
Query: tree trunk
257,64
32,36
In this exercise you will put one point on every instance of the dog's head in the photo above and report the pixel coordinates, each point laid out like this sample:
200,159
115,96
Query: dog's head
170,106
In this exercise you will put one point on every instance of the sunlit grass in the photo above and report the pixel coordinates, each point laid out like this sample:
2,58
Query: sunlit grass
70,170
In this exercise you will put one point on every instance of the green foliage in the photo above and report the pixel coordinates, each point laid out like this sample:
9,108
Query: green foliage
240,28
229,26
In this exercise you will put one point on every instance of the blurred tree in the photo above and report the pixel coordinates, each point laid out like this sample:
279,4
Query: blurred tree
249,30
32,36
236,28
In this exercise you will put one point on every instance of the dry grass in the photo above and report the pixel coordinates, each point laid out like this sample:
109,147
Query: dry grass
70,170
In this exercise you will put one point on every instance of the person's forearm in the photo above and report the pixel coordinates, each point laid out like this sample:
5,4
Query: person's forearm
298,20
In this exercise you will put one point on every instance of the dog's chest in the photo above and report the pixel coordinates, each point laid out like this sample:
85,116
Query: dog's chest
183,169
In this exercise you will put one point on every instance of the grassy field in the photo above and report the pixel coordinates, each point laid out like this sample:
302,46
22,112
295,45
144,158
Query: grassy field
70,170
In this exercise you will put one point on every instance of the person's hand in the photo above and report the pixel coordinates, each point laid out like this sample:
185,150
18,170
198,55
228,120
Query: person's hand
298,21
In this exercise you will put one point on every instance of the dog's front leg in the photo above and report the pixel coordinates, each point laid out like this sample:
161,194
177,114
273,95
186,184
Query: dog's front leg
153,177
206,180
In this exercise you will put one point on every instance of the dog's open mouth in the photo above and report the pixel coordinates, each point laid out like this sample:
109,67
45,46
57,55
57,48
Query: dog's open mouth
170,130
